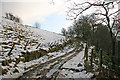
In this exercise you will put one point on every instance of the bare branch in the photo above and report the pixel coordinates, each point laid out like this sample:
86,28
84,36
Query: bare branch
113,23
115,12
117,34
82,11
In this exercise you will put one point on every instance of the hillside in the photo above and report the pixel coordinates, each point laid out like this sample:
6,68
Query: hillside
21,43
27,52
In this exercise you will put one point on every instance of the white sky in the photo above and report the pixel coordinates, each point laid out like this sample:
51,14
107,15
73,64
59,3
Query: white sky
35,10
52,16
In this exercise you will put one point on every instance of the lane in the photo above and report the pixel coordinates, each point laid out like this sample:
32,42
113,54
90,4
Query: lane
50,68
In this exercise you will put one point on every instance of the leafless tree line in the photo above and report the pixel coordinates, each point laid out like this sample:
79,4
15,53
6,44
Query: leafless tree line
12,17
105,13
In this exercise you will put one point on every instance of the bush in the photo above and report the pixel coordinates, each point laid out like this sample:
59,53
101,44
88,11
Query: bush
28,56
16,71
10,28
22,59
4,71
5,63
17,60
12,17
11,60
88,66
64,44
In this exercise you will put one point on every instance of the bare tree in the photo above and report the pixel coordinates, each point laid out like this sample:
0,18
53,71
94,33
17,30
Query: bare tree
7,15
37,25
12,17
63,31
105,13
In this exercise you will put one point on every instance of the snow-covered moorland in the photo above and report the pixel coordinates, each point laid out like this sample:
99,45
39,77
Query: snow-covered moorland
16,39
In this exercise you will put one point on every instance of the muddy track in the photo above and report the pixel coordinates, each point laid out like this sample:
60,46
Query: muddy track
49,69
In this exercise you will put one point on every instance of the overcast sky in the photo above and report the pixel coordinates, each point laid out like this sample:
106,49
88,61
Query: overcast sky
51,16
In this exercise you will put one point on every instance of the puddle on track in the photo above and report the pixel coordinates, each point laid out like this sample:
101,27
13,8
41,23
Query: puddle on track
54,69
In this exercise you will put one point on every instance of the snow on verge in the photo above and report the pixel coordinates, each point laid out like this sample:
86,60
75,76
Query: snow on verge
43,59
73,64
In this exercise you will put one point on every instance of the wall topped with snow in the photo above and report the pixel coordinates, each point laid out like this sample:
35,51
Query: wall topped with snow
16,38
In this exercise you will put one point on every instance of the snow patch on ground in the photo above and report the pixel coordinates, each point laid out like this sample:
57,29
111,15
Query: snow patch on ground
12,32
21,66
73,64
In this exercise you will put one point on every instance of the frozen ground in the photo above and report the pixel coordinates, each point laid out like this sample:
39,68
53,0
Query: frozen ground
70,65
25,38
71,68
41,60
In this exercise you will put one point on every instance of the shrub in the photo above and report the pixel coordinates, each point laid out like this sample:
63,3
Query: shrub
10,28
48,51
5,63
22,59
4,71
15,71
88,66
64,44
17,60
12,17
11,60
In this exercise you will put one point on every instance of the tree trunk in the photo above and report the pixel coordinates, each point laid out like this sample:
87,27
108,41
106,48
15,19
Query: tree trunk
113,49
101,58
113,53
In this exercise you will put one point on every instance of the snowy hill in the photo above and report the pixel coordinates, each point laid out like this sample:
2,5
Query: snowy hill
16,38
12,32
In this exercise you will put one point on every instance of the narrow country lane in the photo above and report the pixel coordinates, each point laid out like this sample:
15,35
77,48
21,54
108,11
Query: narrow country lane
50,69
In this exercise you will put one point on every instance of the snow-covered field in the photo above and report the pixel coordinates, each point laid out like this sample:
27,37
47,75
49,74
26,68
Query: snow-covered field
23,38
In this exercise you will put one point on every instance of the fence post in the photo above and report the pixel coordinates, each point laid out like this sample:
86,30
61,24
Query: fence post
86,52
91,57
